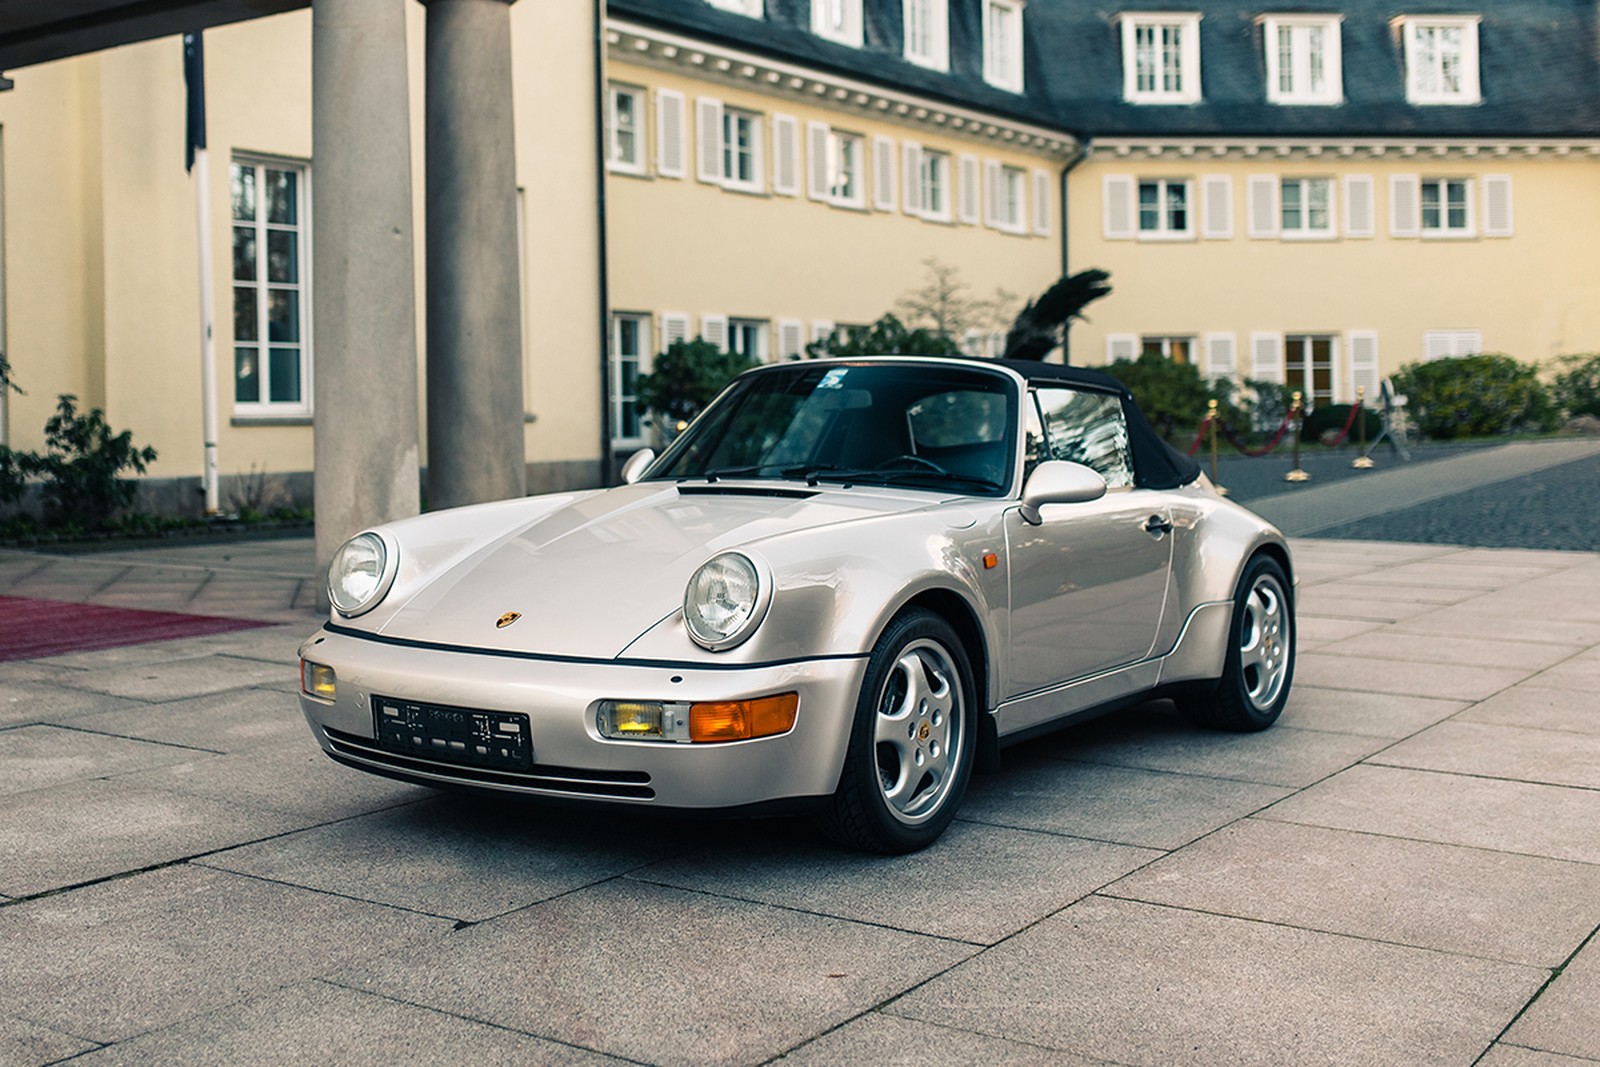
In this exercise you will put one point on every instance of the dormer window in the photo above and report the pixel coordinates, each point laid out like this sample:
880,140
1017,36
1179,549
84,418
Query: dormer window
837,20
1002,44
1303,59
1441,59
927,24
1161,58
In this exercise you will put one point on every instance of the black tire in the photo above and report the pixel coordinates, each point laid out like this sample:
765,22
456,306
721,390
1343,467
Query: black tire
1259,667
912,743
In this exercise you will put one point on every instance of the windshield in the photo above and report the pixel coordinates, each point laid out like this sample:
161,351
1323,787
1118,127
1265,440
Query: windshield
917,425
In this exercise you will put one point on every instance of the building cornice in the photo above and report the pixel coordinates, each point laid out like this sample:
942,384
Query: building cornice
1111,148
631,42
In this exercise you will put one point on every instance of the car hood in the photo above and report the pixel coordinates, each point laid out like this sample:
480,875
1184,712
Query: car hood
589,577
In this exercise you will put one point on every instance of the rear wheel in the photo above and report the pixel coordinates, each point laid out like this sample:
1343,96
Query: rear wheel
1259,667
912,741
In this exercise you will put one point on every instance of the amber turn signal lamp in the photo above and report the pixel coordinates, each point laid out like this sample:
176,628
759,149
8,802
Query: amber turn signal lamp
317,680
740,720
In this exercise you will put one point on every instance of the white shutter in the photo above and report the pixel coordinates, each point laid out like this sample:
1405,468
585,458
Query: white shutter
817,160
1266,357
1360,213
993,213
1122,346
1222,359
714,328
1497,205
1262,192
882,173
911,176
1041,203
1364,364
821,330
785,155
1405,207
969,190
674,327
708,119
670,134
972,344
1216,207
791,338
1117,192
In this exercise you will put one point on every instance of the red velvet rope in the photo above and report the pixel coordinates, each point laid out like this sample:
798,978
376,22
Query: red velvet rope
1344,434
1199,436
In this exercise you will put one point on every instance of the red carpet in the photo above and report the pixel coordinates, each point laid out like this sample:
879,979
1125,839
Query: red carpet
30,628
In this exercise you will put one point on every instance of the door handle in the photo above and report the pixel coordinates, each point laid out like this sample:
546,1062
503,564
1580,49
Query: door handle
1155,526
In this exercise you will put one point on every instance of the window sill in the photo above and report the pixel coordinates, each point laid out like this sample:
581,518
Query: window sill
270,420
629,171
745,190
1159,238
1295,238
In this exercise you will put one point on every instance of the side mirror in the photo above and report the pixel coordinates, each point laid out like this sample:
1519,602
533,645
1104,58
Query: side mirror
635,465
1059,481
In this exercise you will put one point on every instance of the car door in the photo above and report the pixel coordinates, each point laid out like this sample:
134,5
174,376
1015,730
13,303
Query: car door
1088,583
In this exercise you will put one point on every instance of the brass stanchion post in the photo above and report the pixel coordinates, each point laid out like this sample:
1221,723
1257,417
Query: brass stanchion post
1298,414
1211,424
1363,461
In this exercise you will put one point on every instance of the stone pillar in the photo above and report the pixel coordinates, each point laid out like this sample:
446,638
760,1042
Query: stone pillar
475,406
364,271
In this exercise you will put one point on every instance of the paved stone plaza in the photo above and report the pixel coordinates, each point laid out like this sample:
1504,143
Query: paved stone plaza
1406,870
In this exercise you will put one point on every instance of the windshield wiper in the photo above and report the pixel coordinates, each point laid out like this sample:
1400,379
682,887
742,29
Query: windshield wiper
731,472
850,475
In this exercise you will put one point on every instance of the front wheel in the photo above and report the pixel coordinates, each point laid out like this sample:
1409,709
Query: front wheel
911,743
1259,667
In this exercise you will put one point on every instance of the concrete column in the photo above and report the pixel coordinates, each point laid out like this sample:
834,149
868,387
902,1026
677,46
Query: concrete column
363,271
475,406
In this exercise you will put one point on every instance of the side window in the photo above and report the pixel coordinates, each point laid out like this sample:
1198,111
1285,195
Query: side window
1034,449
1088,428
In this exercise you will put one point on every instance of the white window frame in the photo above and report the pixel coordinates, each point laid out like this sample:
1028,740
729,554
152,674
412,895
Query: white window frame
936,175
1444,230
1002,44
1304,231
1163,343
749,8
835,149
262,286
1187,26
642,360
1301,30
1425,69
732,118
741,329
1164,232
837,20
929,46
1451,344
614,157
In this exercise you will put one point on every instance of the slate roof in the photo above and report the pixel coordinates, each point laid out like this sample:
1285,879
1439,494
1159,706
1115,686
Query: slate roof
1539,65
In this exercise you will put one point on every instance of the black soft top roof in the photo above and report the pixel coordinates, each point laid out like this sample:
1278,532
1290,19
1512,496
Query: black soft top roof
1156,464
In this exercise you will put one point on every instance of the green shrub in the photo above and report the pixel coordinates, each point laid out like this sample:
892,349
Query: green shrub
687,376
1475,396
1576,389
1330,419
1175,397
886,337
82,466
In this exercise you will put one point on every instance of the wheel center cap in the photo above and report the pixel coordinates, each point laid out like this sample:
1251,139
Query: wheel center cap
924,731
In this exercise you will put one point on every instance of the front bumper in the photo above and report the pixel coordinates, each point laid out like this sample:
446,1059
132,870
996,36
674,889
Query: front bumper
570,759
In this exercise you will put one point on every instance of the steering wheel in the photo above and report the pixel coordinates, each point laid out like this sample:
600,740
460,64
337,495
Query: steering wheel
907,459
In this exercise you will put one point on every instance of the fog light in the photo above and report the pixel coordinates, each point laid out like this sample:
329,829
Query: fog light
317,680
642,720
740,720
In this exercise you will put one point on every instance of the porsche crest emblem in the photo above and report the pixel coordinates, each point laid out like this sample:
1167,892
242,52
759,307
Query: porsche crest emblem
507,619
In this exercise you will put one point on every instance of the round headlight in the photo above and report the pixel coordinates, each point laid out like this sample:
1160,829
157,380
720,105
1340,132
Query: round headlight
725,601
360,574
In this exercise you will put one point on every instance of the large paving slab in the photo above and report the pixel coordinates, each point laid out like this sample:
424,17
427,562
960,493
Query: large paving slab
185,677
1522,817
84,831
460,857
661,975
1502,1055
36,757
1566,1017
889,1040
1534,705
1142,984
318,1023
1008,879
1522,909
1354,712
26,1044
218,722
1554,757
1457,651
1424,678
26,699
118,959
1153,809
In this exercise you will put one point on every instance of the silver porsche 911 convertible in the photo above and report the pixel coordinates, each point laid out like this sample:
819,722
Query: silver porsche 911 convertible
844,586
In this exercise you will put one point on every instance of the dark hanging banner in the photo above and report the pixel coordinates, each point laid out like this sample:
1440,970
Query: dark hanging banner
194,80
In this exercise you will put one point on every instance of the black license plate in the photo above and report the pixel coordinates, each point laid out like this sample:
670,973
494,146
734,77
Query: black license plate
454,735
